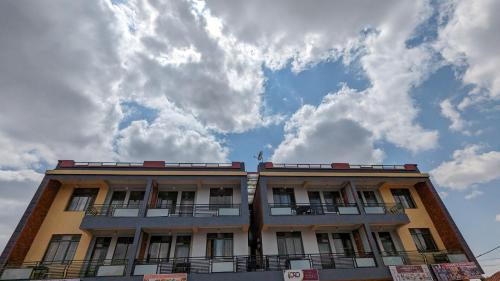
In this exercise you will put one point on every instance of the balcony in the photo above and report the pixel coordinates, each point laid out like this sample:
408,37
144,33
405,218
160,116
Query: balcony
387,214
313,209
108,217
64,270
417,258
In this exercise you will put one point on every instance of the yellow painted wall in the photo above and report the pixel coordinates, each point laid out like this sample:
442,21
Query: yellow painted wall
59,221
419,218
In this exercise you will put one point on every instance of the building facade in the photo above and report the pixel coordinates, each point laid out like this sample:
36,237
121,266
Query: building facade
121,221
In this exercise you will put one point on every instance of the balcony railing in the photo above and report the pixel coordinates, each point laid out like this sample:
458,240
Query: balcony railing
194,210
64,270
114,210
383,209
181,210
313,209
253,263
416,258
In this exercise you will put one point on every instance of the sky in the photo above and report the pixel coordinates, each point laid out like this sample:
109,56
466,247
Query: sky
360,81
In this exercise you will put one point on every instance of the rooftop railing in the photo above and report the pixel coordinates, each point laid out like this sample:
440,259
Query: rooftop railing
299,209
339,166
146,164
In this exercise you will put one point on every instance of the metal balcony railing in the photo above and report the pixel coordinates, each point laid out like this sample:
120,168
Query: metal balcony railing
63,269
383,209
253,263
415,257
313,209
114,210
194,210
181,210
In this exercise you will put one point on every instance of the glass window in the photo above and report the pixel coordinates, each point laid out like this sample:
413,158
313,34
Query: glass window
221,196
343,243
323,243
159,247
61,248
283,196
82,198
423,239
403,197
166,199
182,246
122,247
219,244
290,243
118,197
387,243
368,197
136,198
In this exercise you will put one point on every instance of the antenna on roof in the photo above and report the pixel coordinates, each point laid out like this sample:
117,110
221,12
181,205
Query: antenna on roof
260,157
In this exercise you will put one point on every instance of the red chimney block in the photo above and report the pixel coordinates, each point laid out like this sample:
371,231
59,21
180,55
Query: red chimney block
268,165
341,166
236,165
411,167
65,163
154,164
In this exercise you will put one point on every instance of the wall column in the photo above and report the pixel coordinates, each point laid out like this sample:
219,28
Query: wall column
133,251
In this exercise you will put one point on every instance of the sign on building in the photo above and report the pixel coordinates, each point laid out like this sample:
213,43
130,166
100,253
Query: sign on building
301,275
410,273
166,277
456,271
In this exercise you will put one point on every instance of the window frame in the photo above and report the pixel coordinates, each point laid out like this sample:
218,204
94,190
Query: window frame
91,192
415,236
74,239
212,237
410,200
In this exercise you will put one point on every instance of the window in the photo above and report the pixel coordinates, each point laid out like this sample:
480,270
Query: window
82,198
221,196
403,197
182,245
61,248
122,247
343,244
219,244
135,199
369,198
283,196
166,199
387,243
290,243
323,243
159,247
423,239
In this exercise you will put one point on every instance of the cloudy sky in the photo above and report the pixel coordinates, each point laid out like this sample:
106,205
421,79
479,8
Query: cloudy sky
347,81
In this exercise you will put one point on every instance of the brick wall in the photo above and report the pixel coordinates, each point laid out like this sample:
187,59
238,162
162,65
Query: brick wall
439,217
31,222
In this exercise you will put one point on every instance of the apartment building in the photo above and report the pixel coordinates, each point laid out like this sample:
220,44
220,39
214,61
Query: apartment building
123,221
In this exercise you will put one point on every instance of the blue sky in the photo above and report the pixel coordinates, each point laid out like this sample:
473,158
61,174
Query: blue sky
212,81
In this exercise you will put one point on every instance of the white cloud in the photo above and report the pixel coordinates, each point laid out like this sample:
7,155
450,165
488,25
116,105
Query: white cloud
473,194
471,39
173,136
449,111
443,194
468,167
497,218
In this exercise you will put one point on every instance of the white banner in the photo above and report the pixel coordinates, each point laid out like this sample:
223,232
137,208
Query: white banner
410,273
301,275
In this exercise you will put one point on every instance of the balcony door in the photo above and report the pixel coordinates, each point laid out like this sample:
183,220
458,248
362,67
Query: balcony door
122,248
332,200
98,255
187,203
220,197
315,202
342,243
219,245
325,250
167,200
182,246
283,196
387,243
124,198
290,243
159,248
368,197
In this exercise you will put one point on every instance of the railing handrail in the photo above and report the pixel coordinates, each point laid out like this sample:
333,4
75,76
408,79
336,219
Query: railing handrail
195,205
312,204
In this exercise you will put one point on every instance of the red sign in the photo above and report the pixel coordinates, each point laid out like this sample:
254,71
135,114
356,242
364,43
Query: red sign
410,273
301,275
